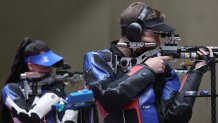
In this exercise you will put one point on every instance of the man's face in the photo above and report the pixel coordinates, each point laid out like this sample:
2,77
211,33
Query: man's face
151,37
148,36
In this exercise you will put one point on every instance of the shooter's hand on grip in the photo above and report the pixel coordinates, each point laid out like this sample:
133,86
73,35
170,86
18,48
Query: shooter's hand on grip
157,64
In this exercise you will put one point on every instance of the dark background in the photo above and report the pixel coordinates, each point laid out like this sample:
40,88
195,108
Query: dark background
73,27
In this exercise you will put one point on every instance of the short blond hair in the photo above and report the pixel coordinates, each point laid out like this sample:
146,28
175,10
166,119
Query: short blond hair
131,13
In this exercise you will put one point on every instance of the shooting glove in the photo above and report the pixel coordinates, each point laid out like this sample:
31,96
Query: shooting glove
209,61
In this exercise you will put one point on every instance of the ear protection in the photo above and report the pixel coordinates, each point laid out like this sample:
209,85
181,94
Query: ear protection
135,30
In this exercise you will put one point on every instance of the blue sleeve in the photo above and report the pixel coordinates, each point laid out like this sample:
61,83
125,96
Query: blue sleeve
96,68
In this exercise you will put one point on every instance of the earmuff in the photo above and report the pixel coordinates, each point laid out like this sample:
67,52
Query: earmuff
135,29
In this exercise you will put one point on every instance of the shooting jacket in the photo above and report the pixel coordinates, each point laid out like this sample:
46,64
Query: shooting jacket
139,95
37,109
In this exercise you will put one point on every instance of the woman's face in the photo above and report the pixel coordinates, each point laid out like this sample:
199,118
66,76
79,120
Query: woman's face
39,68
